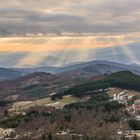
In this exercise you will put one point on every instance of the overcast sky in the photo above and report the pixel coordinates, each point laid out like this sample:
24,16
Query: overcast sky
58,17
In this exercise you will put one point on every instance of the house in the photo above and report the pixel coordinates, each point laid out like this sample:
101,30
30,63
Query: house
121,97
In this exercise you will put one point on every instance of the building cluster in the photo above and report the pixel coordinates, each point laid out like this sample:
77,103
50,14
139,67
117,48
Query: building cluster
122,97
133,108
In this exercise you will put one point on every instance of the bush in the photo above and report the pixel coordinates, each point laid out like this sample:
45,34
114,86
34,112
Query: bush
134,124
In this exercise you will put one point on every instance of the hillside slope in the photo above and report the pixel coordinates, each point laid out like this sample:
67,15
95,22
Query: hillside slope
123,79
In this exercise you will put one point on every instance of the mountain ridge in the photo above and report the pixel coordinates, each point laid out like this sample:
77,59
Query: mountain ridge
90,68
57,70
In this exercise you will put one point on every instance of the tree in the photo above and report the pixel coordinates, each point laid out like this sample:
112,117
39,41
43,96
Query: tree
50,136
6,113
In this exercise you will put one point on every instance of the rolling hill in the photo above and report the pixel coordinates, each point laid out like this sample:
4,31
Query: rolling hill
36,85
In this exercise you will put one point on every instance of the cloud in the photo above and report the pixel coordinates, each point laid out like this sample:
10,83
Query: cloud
20,17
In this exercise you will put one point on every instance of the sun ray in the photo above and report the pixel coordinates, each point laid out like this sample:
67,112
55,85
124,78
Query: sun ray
34,57
129,52
66,48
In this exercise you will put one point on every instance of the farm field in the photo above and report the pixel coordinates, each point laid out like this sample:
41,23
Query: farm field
25,105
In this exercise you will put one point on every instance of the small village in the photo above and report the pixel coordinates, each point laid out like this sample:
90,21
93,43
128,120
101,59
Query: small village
132,104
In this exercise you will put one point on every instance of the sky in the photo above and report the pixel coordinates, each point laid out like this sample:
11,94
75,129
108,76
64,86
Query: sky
57,32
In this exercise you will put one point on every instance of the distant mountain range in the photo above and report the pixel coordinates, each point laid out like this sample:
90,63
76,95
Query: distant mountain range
91,68
9,74
101,67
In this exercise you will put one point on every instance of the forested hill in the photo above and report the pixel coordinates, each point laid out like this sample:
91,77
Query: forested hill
123,79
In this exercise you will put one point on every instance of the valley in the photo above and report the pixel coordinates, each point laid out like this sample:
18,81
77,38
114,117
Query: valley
71,105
